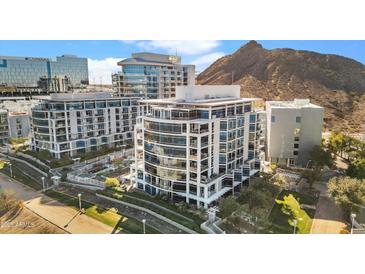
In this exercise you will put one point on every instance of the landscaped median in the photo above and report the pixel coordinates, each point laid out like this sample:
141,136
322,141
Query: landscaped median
189,221
107,216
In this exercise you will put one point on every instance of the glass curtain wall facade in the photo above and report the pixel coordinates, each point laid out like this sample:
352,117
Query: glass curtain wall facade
29,74
197,152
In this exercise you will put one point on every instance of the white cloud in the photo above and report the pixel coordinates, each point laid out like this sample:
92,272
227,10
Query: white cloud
102,70
204,61
182,47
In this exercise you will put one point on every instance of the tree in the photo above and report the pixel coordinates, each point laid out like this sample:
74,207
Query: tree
320,157
112,182
291,207
336,142
254,198
279,180
357,169
312,176
227,206
8,201
347,192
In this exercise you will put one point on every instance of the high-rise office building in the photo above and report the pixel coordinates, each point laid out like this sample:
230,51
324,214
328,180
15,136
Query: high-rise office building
150,75
293,129
72,124
198,146
33,75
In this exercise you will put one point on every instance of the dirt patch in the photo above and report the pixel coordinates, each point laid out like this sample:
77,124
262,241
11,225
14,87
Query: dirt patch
27,222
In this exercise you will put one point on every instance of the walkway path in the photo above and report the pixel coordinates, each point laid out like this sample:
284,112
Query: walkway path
328,218
57,213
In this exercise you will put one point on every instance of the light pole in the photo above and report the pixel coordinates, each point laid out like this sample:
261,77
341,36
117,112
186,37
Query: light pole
144,226
11,170
296,223
43,184
353,216
79,195
308,163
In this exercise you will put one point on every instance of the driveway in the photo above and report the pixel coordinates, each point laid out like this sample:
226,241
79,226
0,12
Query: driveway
328,218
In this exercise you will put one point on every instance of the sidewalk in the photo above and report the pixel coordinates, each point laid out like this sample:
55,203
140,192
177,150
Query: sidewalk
328,218
66,217
55,212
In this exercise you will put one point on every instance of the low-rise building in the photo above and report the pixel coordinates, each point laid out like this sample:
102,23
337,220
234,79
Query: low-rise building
198,146
72,124
293,129
19,124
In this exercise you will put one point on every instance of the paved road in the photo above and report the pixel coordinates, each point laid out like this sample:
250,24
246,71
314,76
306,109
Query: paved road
63,216
328,218
23,192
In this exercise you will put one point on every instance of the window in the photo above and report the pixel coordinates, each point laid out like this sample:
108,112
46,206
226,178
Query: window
252,118
298,119
296,145
296,139
273,119
295,152
296,130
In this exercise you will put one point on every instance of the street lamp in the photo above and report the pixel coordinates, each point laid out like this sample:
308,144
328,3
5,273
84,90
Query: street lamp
296,223
144,226
308,163
353,216
43,184
79,195
11,170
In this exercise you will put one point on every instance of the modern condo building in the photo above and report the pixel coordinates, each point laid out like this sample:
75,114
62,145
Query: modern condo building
198,146
70,124
293,129
152,76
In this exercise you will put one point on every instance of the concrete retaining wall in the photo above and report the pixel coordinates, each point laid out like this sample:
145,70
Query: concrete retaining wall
188,230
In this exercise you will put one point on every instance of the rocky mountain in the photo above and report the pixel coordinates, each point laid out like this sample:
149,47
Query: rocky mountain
334,82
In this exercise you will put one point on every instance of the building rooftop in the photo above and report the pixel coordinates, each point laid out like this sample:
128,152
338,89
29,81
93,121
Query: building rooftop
297,103
151,58
80,96
18,113
204,96
37,59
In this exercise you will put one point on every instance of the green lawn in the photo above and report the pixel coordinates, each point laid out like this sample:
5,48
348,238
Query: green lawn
281,222
107,216
192,223
22,177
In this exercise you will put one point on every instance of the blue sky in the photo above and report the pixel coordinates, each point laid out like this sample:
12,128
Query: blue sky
103,54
